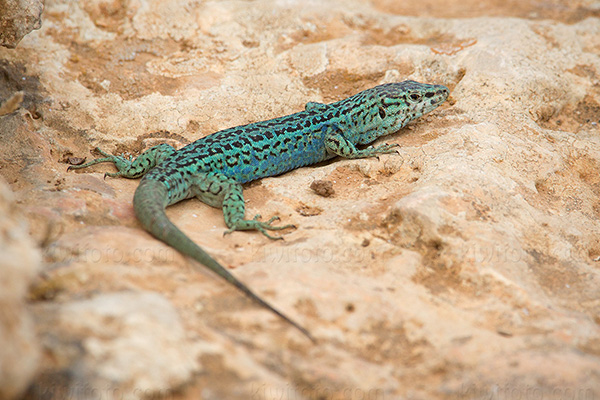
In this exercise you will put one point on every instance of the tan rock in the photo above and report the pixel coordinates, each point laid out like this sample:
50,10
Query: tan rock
131,343
19,261
464,267
17,19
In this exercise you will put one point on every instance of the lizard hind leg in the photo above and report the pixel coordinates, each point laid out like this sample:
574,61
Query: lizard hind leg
218,190
128,168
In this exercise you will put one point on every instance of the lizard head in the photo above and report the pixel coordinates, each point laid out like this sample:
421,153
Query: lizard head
399,103
389,107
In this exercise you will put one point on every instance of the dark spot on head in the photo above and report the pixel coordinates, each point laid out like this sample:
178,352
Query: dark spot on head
381,112
429,94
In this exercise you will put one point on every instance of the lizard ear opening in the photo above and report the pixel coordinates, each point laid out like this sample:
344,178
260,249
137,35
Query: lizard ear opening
382,113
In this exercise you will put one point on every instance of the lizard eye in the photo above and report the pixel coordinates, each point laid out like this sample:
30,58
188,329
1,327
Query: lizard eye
415,97
381,113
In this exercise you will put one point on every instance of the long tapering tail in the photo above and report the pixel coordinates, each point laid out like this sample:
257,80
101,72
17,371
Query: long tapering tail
149,203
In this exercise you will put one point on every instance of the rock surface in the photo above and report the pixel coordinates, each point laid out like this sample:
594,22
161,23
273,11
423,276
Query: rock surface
17,19
19,262
466,267
127,343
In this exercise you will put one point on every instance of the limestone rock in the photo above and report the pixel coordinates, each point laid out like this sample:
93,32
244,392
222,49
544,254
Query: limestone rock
18,18
122,345
466,266
19,261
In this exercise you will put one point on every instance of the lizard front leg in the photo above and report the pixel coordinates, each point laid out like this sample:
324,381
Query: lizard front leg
218,190
337,143
128,168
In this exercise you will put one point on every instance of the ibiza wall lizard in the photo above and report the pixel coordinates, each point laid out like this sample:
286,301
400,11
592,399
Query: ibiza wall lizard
214,168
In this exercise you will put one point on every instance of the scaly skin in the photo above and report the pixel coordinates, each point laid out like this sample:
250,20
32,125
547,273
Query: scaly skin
214,168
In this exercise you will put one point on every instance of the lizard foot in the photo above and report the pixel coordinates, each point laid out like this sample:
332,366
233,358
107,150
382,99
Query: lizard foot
385,148
262,227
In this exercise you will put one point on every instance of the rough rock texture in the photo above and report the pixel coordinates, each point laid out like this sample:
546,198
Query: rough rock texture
17,19
137,348
19,262
466,267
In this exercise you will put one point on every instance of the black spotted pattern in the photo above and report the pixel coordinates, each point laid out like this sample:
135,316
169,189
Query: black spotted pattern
267,148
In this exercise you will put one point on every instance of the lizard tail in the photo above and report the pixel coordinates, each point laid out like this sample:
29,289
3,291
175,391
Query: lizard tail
149,203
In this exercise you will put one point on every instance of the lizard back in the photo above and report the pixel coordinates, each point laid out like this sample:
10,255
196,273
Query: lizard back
272,147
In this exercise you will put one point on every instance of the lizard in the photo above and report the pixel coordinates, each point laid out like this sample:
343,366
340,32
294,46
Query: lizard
214,168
